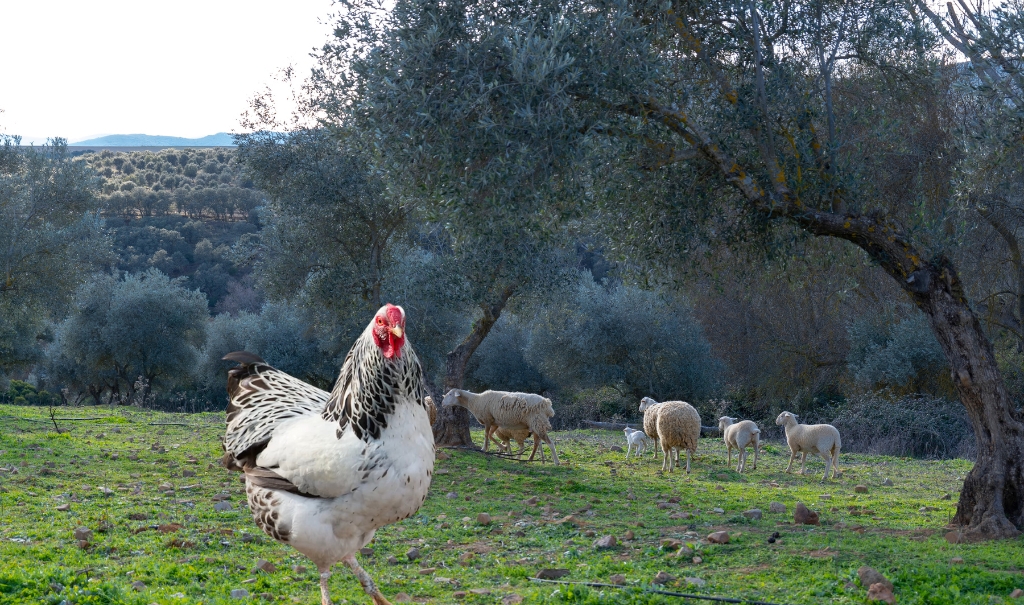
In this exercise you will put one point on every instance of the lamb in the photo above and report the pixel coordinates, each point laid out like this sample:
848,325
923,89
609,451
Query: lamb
504,436
739,435
636,438
511,411
676,425
821,439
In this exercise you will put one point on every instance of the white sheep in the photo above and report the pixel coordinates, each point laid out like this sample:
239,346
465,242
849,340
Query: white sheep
511,411
636,439
676,425
739,435
821,439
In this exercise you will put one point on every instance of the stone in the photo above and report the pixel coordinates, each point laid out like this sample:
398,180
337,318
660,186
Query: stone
511,599
452,495
239,593
880,593
589,533
392,559
699,583
870,576
606,542
138,585
299,569
531,501
888,482
957,560
860,489
459,594
718,511
825,497
719,537
83,544
265,566
165,487
629,535
670,543
222,506
83,533
64,507
551,574
684,552
413,553
188,473
617,579
402,597
483,519
927,509
954,537
697,560
777,507
945,497
366,552
616,448
426,571
1017,593
753,514
479,591
662,578
804,516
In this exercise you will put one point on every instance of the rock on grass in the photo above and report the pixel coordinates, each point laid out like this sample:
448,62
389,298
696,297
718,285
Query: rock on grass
83,533
719,537
805,516
551,574
606,542
870,575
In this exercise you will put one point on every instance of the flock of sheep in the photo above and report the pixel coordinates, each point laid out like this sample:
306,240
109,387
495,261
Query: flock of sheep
675,425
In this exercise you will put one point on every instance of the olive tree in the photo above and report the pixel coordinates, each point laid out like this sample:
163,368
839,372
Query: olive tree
130,334
49,241
813,117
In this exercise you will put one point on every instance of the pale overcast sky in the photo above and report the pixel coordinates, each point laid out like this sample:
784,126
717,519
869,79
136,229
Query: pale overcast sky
80,68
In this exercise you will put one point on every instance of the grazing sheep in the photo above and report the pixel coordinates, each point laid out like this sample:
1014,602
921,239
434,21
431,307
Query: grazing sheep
676,425
821,439
511,411
739,435
431,409
638,439
503,437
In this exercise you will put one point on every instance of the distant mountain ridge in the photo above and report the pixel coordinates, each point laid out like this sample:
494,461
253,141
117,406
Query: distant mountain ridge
221,139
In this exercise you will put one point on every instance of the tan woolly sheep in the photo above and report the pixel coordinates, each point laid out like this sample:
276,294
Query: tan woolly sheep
511,411
821,439
431,409
676,425
503,437
739,435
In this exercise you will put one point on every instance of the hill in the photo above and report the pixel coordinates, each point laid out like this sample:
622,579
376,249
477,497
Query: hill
221,139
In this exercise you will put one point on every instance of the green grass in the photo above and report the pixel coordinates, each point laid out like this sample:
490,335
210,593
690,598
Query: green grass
215,552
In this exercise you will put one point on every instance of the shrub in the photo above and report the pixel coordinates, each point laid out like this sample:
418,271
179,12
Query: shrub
910,425
896,349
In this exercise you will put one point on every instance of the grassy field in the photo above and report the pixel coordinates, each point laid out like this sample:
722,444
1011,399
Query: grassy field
146,484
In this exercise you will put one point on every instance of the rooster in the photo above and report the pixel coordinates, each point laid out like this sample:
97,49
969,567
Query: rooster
324,470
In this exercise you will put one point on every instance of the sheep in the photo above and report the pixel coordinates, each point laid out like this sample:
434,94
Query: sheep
428,402
636,438
676,425
821,439
739,435
511,411
503,436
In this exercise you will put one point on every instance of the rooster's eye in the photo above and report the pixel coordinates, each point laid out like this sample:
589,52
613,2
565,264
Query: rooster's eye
380,321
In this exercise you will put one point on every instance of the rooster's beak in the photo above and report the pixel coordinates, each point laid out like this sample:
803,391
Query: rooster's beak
397,331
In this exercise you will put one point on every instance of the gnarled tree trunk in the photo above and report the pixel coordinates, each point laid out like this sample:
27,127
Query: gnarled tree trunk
452,425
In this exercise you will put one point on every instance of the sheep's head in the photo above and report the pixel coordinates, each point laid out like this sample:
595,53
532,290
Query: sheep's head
389,330
645,403
725,421
453,397
784,417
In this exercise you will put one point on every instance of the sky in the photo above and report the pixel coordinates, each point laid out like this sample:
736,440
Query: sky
83,68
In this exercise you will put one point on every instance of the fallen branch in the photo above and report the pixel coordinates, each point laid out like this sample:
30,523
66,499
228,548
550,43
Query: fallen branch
705,431
662,592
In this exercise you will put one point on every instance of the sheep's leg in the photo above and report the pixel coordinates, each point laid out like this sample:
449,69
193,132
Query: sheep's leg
488,430
741,460
792,457
522,448
828,466
542,458
666,460
536,442
554,454
757,446
728,461
687,462
803,463
835,465
628,445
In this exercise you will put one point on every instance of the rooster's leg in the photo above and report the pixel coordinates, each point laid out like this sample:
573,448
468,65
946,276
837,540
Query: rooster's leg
325,596
367,582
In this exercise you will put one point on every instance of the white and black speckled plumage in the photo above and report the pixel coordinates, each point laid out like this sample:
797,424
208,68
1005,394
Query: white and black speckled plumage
325,470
